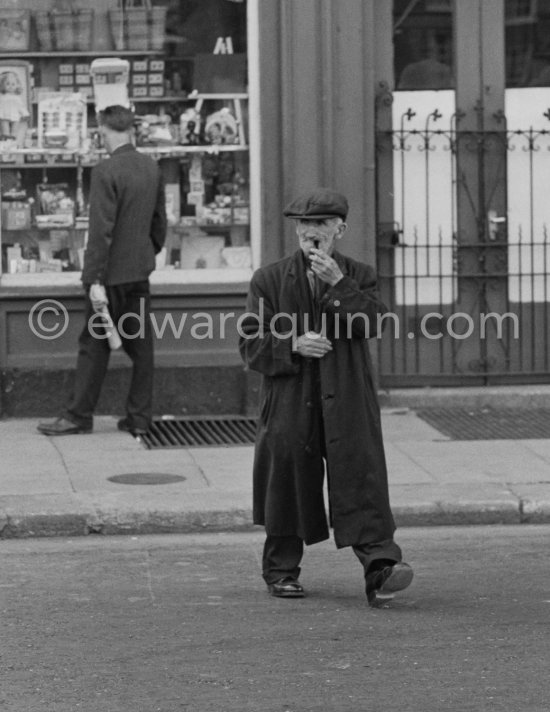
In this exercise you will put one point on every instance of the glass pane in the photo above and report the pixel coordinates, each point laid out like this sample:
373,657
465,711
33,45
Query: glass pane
527,43
423,44
423,170
528,166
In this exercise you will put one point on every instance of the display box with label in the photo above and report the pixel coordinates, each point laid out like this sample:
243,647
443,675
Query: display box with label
201,251
16,215
110,81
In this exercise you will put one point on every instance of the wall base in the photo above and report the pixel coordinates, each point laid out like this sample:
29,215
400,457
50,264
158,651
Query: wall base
178,391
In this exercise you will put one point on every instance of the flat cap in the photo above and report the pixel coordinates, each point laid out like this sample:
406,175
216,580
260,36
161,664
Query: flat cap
317,205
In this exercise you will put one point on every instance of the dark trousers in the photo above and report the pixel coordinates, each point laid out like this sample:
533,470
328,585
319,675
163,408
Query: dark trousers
93,356
282,556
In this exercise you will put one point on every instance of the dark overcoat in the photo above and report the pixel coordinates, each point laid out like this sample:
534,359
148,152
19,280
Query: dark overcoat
288,464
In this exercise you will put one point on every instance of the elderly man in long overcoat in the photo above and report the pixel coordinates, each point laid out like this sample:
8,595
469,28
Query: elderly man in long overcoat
305,330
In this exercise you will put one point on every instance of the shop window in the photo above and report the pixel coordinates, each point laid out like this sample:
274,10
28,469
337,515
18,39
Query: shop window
527,43
423,46
187,82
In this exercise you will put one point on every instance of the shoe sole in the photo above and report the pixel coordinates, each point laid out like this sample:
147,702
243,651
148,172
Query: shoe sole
287,594
67,432
399,579
132,431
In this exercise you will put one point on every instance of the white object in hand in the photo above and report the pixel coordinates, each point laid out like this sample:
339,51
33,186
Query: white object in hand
112,334
98,297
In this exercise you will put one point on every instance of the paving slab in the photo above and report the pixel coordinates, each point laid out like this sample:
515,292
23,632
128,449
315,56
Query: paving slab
402,425
225,467
29,464
475,460
403,469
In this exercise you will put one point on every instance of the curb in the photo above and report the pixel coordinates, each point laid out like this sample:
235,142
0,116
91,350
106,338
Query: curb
521,397
27,525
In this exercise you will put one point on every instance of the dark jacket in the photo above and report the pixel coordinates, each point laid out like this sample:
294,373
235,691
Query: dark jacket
127,218
288,464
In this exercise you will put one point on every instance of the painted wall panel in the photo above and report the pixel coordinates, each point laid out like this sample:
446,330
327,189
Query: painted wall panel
324,131
189,331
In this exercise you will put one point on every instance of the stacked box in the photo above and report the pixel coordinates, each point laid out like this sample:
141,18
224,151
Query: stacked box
155,77
83,80
14,30
75,77
66,78
138,78
147,78
16,215
82,75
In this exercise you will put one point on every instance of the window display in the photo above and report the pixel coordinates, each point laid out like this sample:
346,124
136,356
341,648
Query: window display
527,43
182,68
423,44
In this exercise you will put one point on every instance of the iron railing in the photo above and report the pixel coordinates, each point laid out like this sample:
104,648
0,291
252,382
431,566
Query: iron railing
470,239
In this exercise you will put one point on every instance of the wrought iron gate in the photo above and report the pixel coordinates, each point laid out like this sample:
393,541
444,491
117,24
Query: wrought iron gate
465,267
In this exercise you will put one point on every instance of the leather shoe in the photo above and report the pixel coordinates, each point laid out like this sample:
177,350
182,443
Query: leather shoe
124,425
382,584
286,588
61,426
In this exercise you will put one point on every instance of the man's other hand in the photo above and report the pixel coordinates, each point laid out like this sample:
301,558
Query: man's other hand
312,345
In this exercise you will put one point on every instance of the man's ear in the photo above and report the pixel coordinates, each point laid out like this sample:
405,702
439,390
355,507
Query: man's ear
341,230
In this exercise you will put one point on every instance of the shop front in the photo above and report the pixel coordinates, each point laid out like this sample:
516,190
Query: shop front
242,103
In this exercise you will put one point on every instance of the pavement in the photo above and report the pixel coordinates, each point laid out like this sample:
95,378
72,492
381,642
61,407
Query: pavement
63,486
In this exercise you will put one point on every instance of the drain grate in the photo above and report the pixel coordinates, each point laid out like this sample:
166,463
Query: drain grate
199,431
489,423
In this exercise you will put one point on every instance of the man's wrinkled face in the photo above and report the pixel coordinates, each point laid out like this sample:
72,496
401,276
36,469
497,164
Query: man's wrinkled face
319,234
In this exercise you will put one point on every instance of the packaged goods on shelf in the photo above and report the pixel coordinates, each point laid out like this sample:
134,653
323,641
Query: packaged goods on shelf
237,257
138,28
62,120
73,29
56,207
201,251
14,30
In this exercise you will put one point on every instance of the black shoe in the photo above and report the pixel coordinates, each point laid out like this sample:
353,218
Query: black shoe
383,583
286,588
124,425
61,426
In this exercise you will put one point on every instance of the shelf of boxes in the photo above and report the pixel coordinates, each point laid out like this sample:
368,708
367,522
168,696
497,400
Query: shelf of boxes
48,157
80,53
